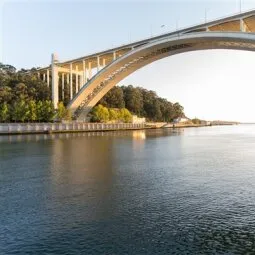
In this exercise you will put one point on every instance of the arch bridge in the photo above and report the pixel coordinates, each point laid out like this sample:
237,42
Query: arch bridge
87,79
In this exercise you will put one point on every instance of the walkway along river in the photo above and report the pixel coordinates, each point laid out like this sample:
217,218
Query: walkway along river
42,128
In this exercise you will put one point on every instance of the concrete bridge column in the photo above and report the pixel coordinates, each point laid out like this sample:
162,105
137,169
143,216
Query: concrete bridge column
242,26
63,85
55,78
67,78
84,72
71,81
104,62
90,71
48,77
76,80
114,55
81,80
98,63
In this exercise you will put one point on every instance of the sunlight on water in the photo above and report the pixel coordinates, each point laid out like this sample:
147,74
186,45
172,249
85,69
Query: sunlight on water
183,191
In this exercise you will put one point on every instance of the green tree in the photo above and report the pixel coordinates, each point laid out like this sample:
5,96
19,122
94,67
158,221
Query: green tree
113,114
114,98
133,99
20,111
196,121
125,115
178,110
4,112
48,111
100,114
39,111
32,110
61,112
6,94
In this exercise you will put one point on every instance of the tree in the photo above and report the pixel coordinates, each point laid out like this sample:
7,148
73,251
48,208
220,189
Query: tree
39,111
178,110
4,112
62,112
6,94
48,111
20,111
32,110
114,98
196,121
133,99
125,115
166,109
100,114
113,114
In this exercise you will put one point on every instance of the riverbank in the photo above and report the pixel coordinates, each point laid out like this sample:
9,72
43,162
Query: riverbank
48,128
74,127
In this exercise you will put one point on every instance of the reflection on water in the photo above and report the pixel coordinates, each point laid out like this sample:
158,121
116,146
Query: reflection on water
166,191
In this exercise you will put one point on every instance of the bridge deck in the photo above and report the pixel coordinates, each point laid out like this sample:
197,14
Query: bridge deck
229,23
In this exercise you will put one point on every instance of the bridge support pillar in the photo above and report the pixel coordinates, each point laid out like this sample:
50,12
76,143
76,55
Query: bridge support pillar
63,86
71,81
67,78
242,26
55,79
90,73
48,77
81,80
76,80
84,72
98,63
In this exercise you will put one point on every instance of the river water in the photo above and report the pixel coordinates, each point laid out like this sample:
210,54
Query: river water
188,191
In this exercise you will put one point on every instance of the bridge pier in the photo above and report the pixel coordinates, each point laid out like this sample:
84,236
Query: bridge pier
71,81
55,80
76,80
48,77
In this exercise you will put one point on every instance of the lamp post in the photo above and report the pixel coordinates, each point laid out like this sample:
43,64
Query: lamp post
162,26
206,12
177,24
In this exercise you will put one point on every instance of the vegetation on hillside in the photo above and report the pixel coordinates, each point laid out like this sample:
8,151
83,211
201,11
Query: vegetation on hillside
25,98
103,114
142,102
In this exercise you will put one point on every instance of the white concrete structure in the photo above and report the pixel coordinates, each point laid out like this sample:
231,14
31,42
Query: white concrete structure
137,120
113,65
181,120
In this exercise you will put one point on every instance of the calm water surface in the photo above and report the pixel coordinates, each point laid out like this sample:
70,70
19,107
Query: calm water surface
190,191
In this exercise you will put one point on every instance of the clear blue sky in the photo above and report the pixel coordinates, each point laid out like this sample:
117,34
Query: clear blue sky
209,84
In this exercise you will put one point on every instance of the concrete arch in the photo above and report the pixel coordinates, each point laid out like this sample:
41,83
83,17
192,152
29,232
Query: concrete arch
119,69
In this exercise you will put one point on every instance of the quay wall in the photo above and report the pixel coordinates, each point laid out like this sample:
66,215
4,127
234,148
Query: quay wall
36,128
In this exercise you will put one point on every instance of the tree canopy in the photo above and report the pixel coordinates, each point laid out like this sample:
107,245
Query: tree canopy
24,97
142,102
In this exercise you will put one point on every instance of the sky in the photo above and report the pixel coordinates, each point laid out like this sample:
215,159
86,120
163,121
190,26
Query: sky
211,85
